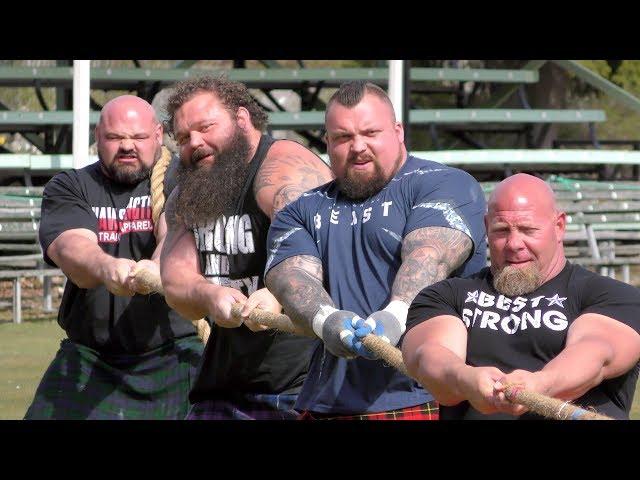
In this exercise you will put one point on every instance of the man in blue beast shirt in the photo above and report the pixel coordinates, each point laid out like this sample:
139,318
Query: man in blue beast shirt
347,258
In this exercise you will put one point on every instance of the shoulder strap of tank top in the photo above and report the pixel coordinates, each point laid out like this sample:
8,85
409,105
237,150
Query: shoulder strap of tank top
261,152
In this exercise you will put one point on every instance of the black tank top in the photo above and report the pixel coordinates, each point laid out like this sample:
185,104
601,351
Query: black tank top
232,253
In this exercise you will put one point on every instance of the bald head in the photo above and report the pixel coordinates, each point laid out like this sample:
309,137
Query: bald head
128,107
129,139
525,232
522,192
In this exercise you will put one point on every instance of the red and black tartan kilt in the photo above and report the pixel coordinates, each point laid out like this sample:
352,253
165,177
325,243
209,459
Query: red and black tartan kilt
426,411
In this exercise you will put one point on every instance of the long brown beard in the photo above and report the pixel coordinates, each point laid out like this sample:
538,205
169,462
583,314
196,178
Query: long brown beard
206,193
513,281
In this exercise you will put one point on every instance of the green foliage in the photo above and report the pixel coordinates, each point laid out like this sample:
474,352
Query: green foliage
628,76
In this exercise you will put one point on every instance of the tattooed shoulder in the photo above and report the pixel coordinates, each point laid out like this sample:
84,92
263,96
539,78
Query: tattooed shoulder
286,173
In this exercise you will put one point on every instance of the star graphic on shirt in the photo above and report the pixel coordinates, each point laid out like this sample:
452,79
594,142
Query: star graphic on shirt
472,297
556,300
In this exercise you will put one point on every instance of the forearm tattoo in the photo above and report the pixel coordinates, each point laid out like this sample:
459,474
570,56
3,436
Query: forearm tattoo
429,255
297,284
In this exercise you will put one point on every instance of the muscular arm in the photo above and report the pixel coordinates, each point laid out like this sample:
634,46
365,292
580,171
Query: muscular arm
288,171
429,255
186,290
297,284
435,355
598,347
161,234
79,256
184,285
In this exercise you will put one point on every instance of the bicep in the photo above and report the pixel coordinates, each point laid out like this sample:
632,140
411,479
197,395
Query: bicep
178,244
622,341
76,239
160,233
443,245
446,331
179,251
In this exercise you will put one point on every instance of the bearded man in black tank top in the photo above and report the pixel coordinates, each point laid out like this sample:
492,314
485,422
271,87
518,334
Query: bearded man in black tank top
231,181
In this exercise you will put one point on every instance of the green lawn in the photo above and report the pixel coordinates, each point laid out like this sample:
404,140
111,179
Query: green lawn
27,349
25,352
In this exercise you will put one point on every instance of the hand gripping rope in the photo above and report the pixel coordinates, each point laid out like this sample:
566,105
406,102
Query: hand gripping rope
157,204
541,404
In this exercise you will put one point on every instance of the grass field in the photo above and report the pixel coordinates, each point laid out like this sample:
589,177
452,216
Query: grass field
25,352
27,349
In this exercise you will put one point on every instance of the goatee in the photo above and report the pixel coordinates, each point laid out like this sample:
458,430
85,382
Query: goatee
125,174
513,281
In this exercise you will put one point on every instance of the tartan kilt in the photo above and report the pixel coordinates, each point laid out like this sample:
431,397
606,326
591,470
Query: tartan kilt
426,411
81,384
246,407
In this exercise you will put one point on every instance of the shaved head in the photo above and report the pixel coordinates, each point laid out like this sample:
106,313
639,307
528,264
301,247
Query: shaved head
129,139
525,232
128,107
522,191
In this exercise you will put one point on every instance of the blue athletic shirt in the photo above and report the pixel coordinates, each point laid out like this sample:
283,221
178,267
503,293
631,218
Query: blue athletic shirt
359,244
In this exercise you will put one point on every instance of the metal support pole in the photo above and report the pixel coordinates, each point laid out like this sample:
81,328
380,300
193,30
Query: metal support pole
406,102
46,292
17,297
81,92
396,84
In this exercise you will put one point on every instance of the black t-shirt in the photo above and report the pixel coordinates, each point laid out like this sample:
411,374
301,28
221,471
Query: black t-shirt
232,252
120,215
526,332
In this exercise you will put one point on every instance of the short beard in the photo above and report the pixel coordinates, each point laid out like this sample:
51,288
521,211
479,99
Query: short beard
126,175
513,281
206,193
358,187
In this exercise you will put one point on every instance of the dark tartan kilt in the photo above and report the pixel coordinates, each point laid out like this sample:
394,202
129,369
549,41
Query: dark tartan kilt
426,411
246,407
81,384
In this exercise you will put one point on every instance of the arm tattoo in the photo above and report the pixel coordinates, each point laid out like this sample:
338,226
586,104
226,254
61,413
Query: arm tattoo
285,195
294,174
429,255
297,284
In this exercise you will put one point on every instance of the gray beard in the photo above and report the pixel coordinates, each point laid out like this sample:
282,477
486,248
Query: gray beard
513,281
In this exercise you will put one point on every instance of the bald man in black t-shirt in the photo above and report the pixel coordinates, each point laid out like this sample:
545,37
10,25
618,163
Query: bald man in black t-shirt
531,319
127,355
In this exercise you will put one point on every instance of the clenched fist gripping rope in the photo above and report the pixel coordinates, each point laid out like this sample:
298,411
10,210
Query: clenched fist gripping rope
151,282
541,404
535,402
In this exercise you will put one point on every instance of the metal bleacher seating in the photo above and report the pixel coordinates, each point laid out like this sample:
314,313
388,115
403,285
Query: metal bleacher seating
603,223
20,253
603,232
